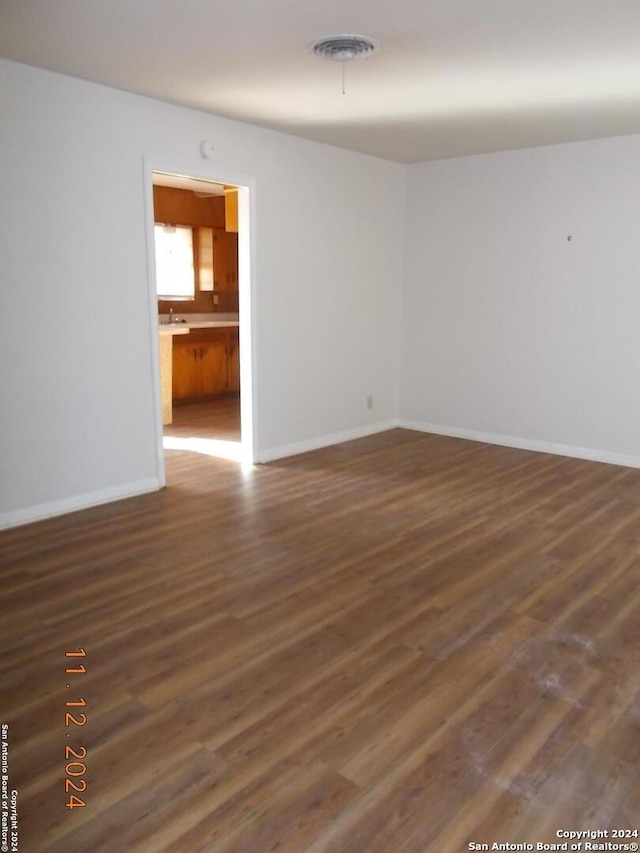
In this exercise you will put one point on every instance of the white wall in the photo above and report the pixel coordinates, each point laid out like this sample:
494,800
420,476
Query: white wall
511,332
77,420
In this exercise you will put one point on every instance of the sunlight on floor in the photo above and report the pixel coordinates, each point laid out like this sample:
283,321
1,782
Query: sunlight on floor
207,446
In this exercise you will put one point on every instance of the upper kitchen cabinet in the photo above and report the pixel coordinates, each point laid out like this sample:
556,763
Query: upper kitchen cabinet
182,207
204,258
217,259
225,260
231,209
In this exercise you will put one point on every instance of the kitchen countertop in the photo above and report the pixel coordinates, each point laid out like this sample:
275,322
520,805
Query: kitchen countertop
173,329
198,321
209,324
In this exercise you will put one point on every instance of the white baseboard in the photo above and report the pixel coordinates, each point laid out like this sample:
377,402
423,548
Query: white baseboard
152,484
53,508
525,443
324,441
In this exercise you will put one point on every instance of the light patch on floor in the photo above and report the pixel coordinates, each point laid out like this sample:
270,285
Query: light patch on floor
207,446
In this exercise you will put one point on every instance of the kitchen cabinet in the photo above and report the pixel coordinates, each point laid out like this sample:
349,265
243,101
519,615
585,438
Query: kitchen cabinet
233,360
185,381
231,209
225,260
212,357
204,259
216,255
182,207
206,362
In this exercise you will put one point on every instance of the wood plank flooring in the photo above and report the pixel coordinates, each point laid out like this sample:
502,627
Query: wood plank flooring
402,643
217,417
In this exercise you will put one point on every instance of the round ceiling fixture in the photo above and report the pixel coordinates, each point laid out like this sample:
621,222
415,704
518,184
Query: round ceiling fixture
344,48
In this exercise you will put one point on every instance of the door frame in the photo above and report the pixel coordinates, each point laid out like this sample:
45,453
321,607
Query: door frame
246,291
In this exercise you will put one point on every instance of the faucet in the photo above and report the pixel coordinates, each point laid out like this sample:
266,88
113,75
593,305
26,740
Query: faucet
174,319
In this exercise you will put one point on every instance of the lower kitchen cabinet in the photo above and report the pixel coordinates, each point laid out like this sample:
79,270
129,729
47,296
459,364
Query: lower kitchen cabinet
233,360
184,378
205,362
213,367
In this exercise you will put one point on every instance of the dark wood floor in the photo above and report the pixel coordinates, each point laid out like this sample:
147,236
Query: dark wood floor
402,643
217,418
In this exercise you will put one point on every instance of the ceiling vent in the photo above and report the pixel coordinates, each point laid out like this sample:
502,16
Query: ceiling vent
344,48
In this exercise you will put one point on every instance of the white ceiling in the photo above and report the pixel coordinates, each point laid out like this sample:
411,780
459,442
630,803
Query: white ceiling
179,182
454,76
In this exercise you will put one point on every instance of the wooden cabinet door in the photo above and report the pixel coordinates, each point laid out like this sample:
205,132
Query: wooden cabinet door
204,259
233,360
212,363
231,209
208,364
232,261
225,260
185,375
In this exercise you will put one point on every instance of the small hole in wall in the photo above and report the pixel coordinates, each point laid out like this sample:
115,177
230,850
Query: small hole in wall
568,238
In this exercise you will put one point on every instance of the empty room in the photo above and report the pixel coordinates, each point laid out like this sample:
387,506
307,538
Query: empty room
320,434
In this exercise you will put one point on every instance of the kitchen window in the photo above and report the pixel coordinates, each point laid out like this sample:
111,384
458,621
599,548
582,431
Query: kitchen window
175,272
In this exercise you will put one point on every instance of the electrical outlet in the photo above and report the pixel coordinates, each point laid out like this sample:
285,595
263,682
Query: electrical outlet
369,402
216,299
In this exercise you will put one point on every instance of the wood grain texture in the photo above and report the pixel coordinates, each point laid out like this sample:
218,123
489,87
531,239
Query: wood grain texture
231,209
172,206
401,643
205,362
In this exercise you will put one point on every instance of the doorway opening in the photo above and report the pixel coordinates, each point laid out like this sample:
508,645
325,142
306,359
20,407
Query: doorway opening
199,275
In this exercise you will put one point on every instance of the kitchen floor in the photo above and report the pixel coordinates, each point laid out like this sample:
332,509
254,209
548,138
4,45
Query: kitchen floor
216,418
